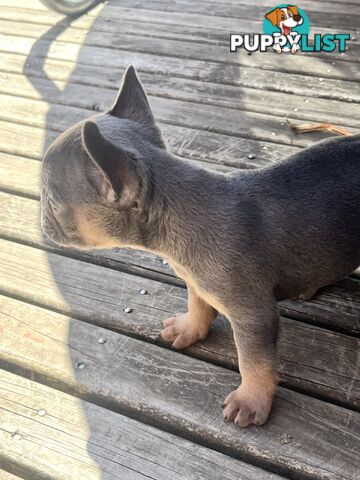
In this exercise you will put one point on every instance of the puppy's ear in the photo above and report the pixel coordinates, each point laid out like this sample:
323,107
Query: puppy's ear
124,176
132,104
273,16
293,9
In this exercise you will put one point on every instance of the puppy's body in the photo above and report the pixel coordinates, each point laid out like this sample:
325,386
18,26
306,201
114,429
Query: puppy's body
240,242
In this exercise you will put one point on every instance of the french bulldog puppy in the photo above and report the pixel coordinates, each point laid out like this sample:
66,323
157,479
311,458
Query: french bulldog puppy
241,242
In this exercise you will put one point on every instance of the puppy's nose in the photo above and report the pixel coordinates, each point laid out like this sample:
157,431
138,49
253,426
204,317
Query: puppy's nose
297,18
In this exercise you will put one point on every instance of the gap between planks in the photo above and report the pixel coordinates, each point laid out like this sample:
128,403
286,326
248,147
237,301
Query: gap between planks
208,121
162,301
105,33
227,76
305,438
157,53
47,434
277,104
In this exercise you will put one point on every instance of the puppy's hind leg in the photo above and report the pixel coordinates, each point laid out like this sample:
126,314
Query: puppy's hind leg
255,331
187,328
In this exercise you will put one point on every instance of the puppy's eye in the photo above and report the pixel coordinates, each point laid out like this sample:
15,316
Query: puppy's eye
283,16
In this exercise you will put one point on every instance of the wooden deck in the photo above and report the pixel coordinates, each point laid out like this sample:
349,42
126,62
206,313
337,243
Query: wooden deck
90,392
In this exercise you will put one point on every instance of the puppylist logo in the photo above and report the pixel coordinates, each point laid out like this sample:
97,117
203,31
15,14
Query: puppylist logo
286,29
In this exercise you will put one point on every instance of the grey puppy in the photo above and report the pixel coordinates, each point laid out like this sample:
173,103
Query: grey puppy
241,242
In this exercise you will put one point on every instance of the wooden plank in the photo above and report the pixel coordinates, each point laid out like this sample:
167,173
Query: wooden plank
236,10
8,476
308,358
169,113
20,174
304,437
49,434
153,25
214,150
308,5
205,70
150,40
100,96
228,74
241,9
225,20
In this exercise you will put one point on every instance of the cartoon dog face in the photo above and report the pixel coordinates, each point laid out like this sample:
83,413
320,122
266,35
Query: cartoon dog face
285,18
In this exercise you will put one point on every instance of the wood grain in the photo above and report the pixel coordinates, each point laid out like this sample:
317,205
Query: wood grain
8,476
212,150
49,434
101,93
171,114
304,436
311,359
200,69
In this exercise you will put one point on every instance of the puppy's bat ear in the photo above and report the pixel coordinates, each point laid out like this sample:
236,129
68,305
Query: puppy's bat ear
293,9
132,104
272,16
124,176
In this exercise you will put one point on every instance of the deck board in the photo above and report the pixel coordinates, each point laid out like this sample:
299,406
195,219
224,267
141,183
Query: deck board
303,436
8,476
56,443
215,109
311,359
100,96
204,69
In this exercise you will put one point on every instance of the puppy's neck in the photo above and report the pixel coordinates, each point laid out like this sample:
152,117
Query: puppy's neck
185,206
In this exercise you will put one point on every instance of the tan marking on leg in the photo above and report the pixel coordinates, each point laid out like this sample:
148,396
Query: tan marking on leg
186,329
190,281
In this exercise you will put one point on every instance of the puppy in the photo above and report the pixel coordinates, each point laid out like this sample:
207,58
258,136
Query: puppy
285,19
241,242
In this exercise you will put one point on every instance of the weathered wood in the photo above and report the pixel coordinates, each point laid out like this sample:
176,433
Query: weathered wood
8,476
20,174
235,10
131,19
49,434
304,437
309,5
145,41
244,9
182,16
308,359
230,75
24,140
220,152
170,113
204,70
100,96
186,142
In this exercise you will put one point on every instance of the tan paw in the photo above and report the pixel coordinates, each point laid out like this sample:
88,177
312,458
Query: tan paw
244,409
182,332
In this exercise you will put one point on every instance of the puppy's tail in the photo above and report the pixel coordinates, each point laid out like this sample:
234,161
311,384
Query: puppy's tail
318,127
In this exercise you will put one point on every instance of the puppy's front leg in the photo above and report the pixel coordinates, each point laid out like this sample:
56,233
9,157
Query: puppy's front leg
255,332
187,328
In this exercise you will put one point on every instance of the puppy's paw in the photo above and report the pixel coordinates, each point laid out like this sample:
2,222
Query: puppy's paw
245,409
182,331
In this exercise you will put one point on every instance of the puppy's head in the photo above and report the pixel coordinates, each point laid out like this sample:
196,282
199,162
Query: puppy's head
96,178
285,18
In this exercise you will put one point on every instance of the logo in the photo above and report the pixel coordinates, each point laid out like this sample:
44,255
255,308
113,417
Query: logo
287,29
